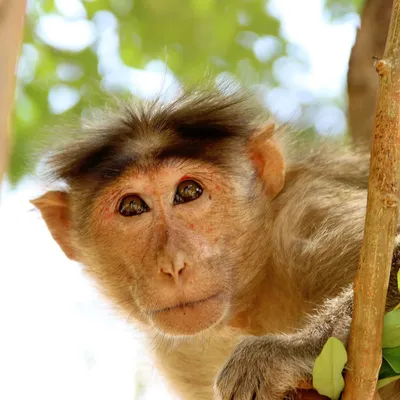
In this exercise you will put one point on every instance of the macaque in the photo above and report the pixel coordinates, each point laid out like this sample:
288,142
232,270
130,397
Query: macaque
233,249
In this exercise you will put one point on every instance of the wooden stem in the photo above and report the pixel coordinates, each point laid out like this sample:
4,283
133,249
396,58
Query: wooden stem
372,279
11,31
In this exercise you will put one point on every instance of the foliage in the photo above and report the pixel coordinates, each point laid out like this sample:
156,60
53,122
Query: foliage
390,368
328,367
76,52
391,329
337,9
192,37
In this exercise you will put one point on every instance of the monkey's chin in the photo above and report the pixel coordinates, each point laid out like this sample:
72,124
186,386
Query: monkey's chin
188,319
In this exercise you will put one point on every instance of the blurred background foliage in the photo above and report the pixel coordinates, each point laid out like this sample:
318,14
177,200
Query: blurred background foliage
77,51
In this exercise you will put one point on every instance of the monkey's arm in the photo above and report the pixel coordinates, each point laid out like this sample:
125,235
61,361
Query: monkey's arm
270,366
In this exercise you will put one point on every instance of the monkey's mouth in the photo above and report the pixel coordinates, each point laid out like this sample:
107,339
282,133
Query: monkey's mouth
187,304
190,317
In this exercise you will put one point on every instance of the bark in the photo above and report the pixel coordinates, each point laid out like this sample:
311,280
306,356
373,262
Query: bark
11,30
362,81
371,283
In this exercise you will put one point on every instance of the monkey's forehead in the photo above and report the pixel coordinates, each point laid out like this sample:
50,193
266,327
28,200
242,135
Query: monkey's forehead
114,159
197,126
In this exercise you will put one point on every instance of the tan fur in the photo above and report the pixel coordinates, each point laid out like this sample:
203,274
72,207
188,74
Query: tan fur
267,245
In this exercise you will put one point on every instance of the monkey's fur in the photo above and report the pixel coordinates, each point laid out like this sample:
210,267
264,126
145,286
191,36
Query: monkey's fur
237,291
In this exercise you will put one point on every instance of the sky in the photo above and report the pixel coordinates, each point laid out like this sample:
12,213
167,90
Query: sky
59,339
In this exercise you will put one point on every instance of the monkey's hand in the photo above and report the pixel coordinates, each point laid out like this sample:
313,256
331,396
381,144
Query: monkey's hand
263,368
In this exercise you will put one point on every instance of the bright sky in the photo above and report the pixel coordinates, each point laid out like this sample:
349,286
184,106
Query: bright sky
59,340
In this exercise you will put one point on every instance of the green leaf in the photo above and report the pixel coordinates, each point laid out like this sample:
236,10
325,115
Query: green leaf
398,279
391,329
386,371
392,356
386,381
328,367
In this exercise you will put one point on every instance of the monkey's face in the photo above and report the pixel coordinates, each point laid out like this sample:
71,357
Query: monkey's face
169,245
174,241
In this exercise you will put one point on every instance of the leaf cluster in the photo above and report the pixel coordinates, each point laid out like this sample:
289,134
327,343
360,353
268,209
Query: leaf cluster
329,365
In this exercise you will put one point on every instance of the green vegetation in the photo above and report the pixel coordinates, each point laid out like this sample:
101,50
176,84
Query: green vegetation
75,52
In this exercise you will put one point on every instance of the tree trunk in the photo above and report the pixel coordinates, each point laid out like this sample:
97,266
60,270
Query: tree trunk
11,30
362,81
370,289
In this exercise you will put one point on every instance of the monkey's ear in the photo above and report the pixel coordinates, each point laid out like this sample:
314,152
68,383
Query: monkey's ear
53,206
268,159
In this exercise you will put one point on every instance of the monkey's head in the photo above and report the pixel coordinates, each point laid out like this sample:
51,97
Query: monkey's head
164,207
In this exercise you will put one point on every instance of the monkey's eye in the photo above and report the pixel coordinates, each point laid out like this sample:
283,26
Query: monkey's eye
132,205
187,191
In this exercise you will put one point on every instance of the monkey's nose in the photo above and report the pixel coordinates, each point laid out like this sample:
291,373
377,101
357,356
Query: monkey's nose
174,271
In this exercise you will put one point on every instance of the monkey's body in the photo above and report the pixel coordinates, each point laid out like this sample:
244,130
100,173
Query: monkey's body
292,303
236,261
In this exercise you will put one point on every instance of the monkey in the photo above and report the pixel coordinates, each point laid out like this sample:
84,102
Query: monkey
229,244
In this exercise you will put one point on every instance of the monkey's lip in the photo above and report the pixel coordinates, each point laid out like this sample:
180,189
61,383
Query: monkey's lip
188,318
187,304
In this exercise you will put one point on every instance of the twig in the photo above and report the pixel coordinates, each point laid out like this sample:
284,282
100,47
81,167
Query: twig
380,226
11,29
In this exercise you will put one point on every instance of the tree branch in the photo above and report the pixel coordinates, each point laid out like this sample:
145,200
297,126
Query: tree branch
371,283
11,30
362,82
